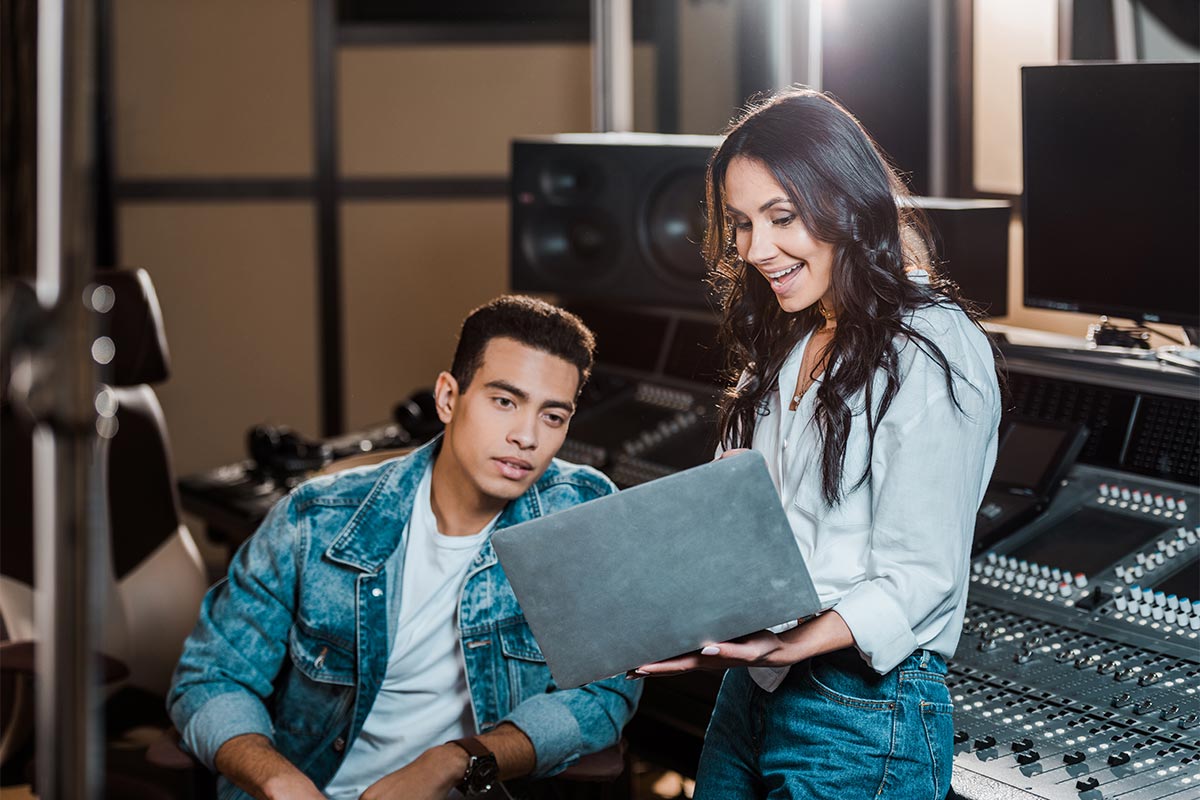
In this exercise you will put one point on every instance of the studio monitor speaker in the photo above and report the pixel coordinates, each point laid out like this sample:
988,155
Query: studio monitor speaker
611,217
970,238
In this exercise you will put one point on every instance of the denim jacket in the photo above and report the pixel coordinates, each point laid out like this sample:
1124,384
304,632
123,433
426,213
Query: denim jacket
294,643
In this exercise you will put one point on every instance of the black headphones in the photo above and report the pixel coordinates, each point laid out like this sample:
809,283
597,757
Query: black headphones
280,451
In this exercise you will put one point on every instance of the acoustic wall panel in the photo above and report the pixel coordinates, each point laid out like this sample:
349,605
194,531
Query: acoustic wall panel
410,272
237,285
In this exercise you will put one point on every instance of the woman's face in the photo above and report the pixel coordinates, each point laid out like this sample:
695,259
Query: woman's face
772,240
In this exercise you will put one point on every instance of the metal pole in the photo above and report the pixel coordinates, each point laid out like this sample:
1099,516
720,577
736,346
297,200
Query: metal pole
939,97
612,65
815,53
780,31
66,501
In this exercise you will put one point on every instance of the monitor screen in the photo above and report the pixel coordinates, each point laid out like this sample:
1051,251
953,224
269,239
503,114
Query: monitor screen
1112,189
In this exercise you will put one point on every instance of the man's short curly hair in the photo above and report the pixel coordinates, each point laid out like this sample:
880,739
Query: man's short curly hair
531,322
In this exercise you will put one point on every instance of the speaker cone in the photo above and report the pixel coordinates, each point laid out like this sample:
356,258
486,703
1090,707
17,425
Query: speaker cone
567,181
577,244
674,224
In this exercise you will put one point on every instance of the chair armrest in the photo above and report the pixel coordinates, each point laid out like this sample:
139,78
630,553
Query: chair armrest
20,657
602,767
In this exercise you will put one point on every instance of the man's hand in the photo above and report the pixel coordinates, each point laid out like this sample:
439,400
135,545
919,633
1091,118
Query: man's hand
430,777
256,767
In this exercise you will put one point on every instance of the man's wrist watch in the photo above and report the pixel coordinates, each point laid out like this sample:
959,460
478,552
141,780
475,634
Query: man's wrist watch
482,771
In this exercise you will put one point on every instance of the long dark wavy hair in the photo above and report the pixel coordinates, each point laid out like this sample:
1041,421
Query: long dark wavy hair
848,196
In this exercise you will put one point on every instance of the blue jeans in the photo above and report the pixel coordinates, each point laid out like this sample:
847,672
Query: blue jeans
833,729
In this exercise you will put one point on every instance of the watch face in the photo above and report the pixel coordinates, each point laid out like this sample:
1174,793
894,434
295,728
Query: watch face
484,772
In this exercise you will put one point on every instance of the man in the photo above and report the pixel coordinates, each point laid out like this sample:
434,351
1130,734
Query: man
366,632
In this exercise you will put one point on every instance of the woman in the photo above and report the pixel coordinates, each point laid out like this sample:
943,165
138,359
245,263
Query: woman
872,392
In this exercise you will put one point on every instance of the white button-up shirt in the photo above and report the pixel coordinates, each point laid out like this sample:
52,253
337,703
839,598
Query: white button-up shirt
893,557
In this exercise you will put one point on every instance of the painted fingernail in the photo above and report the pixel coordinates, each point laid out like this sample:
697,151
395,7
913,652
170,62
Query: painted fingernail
711,650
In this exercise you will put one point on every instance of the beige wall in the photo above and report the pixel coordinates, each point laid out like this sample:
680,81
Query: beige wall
412,270
216,88
237,284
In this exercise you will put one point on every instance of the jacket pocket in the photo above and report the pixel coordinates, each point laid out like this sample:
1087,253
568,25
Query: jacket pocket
528,674
314,685
320,657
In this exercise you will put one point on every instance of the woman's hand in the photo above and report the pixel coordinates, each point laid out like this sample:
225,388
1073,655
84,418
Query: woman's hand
755,650
823,633
735,451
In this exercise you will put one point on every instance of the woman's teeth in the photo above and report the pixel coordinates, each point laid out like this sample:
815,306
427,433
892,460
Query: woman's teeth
777,276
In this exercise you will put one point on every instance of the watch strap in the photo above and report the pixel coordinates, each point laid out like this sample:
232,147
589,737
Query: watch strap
473,746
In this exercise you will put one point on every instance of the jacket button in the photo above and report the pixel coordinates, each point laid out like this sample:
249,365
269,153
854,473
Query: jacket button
377,592
339,744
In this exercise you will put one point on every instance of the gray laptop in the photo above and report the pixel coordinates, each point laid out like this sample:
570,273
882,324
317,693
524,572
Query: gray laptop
660,569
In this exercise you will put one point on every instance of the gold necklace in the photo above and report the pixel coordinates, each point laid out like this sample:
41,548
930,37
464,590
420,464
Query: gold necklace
826,330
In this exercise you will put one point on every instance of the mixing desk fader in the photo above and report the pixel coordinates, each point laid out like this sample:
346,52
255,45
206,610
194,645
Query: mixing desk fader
1078,674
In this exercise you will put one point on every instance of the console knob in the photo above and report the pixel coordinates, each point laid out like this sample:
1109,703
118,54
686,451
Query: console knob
1028,757
983,743
1190,721
1063,656
961,736
1021,745
1121,700
1170,712
1150,678
1107,667
1173,602
1087,784
1117,759
1121,603
1125,674
1074,758
1143,707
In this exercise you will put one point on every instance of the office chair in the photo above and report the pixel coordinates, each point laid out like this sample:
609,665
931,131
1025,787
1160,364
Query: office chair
154,579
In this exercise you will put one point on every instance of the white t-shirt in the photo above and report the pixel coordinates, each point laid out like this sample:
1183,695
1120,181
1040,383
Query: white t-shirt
423,700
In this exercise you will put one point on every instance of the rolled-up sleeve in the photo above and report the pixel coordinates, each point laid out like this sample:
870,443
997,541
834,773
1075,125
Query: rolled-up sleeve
232,656
565,724
930,463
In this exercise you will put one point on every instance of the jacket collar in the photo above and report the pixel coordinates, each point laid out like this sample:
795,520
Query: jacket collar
375,530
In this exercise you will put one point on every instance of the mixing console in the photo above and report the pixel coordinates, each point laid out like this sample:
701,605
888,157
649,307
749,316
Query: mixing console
1078,673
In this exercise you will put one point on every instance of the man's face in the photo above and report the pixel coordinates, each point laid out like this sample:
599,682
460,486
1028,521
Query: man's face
503,430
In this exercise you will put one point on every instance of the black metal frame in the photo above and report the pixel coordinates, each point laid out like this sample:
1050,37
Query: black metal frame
326,189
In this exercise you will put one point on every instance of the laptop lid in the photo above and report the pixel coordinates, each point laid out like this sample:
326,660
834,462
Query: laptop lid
657,570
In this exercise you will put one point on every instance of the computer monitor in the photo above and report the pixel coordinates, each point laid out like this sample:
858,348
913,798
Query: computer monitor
1112,189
